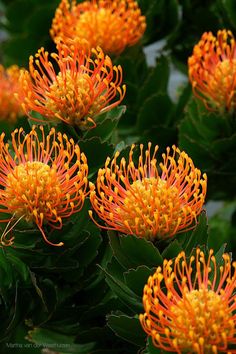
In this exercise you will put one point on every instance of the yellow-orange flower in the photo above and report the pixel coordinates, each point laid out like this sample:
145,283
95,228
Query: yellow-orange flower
212,70
190,305
111,24
82,89
10,108
149,200
43,179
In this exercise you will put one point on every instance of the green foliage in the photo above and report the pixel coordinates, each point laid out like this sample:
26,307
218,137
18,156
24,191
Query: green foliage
197,237
28,24
196,17
131,251
57,341
86,296
222,228
127,328
228,8
161,17
209,139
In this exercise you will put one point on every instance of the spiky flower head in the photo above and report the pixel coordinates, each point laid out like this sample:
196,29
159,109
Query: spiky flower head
190,305
111,24
43,178
10,108
86,85
150,200
212,70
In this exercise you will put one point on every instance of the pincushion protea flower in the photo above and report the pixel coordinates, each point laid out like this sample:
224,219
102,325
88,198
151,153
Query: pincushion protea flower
212,70
10,108
111,24
43,178
190,305
82,89
141,200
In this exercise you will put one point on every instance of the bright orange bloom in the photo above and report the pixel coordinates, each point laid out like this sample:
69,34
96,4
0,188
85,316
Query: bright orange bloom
212,70
190,305
82,89
110,24
149,200
10,109
43,179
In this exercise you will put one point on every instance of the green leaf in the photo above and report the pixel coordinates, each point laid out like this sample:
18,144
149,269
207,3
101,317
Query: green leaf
104,258
89,249
98,305
6,271
128,328
201,156
124,294
219,232
105,124
105,339
135,279
131,251
46,300
157,80
172,10
18,342
184,97
172,250
13,50
116,269
19,267
39,21
219,254
163,12
17,13
12,305
156,110
6,129
72,233
96,153
205,125
57,341
164,136
199,236
114,114
209,139
230,8
224,145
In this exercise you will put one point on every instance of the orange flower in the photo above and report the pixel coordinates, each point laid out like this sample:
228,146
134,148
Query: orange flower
111,24
10,109
83,88
43,179
141,200
212,70
190,305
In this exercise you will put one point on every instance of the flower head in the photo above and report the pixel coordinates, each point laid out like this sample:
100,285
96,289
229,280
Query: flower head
43,178
212,70
83,88
110,24
10,109
190,305
149,200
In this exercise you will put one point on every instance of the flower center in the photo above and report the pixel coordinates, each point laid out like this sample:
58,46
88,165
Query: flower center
201,322
222,83
101,27
71,97
32,189
152,208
